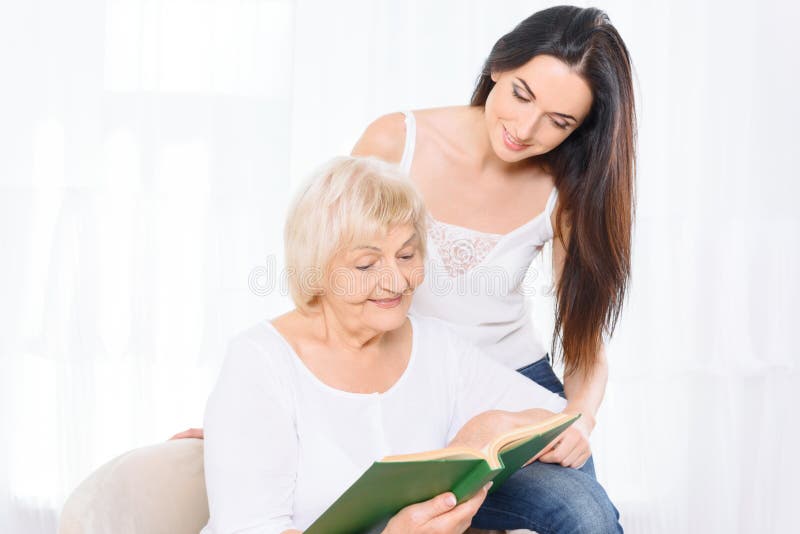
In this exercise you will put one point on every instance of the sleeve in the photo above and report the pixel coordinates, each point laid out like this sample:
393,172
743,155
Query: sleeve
250,450
483,384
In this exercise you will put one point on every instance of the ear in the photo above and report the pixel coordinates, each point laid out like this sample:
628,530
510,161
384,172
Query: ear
495,75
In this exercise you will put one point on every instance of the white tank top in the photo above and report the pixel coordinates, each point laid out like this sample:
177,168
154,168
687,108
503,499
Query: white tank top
474,280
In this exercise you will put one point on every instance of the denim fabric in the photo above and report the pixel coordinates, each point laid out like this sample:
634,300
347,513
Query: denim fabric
549,498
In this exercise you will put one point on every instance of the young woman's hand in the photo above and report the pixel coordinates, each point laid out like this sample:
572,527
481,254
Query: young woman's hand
191,433
571,448
439,515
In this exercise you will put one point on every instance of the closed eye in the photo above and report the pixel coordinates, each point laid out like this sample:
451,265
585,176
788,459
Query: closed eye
521,98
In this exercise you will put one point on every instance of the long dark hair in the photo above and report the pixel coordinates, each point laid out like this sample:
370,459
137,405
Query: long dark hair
593,169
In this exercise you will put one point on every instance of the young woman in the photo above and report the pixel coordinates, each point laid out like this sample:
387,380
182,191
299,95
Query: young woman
544,151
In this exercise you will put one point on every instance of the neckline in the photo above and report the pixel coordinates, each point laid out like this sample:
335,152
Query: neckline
341,392
501,239
499,236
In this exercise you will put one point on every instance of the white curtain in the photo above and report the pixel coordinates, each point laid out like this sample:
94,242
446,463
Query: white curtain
149,148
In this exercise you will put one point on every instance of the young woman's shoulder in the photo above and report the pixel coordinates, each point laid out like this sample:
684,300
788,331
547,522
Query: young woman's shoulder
445,121
384,138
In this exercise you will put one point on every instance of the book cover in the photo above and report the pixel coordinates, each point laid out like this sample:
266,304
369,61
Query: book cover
393,483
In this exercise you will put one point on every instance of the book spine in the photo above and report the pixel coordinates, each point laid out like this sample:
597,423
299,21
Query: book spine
474,481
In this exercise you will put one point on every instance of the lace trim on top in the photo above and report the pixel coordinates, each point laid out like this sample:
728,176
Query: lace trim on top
461,249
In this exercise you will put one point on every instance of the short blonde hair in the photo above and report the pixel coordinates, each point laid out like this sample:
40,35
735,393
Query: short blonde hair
345,200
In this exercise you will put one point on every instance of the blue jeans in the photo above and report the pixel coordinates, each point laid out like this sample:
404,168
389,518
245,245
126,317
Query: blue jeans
549,498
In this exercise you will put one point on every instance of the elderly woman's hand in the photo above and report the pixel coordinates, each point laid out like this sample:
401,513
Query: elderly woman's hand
479,431
196,433
439,515
483,428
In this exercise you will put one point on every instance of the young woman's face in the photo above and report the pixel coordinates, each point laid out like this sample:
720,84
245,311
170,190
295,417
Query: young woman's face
370,284
532,109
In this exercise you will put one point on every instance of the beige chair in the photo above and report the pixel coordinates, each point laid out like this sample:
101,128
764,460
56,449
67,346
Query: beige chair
158,489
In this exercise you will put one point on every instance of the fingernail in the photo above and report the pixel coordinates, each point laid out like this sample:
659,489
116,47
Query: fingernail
488,485
451,500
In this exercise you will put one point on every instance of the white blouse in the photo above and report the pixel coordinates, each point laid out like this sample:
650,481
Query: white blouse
281,445
475,280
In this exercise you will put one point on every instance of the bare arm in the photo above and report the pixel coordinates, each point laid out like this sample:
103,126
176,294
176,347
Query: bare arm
584,390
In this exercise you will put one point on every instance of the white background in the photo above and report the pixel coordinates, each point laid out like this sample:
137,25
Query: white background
148,149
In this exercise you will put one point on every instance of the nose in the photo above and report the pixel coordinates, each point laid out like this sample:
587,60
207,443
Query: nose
528,125
393,279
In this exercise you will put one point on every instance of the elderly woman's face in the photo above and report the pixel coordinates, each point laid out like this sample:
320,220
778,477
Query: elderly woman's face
372,282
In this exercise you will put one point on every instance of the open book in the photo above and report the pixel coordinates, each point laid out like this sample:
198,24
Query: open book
398,481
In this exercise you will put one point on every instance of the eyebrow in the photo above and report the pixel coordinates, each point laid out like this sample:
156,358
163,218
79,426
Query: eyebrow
534,97
376,249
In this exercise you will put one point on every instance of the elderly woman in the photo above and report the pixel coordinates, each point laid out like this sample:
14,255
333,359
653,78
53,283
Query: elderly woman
306,402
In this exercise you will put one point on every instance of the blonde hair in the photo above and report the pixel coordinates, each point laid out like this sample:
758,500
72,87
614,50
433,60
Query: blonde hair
345,200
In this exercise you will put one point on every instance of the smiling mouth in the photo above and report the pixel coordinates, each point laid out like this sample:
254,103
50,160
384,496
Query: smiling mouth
513,140
387,303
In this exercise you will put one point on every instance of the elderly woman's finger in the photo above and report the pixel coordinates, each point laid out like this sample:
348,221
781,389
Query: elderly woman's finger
196,433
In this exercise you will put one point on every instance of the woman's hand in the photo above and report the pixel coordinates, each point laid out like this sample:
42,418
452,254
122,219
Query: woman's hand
479,431
483,428
571,448
196,433
439,515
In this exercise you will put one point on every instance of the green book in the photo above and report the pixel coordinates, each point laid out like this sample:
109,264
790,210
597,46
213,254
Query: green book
395,482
